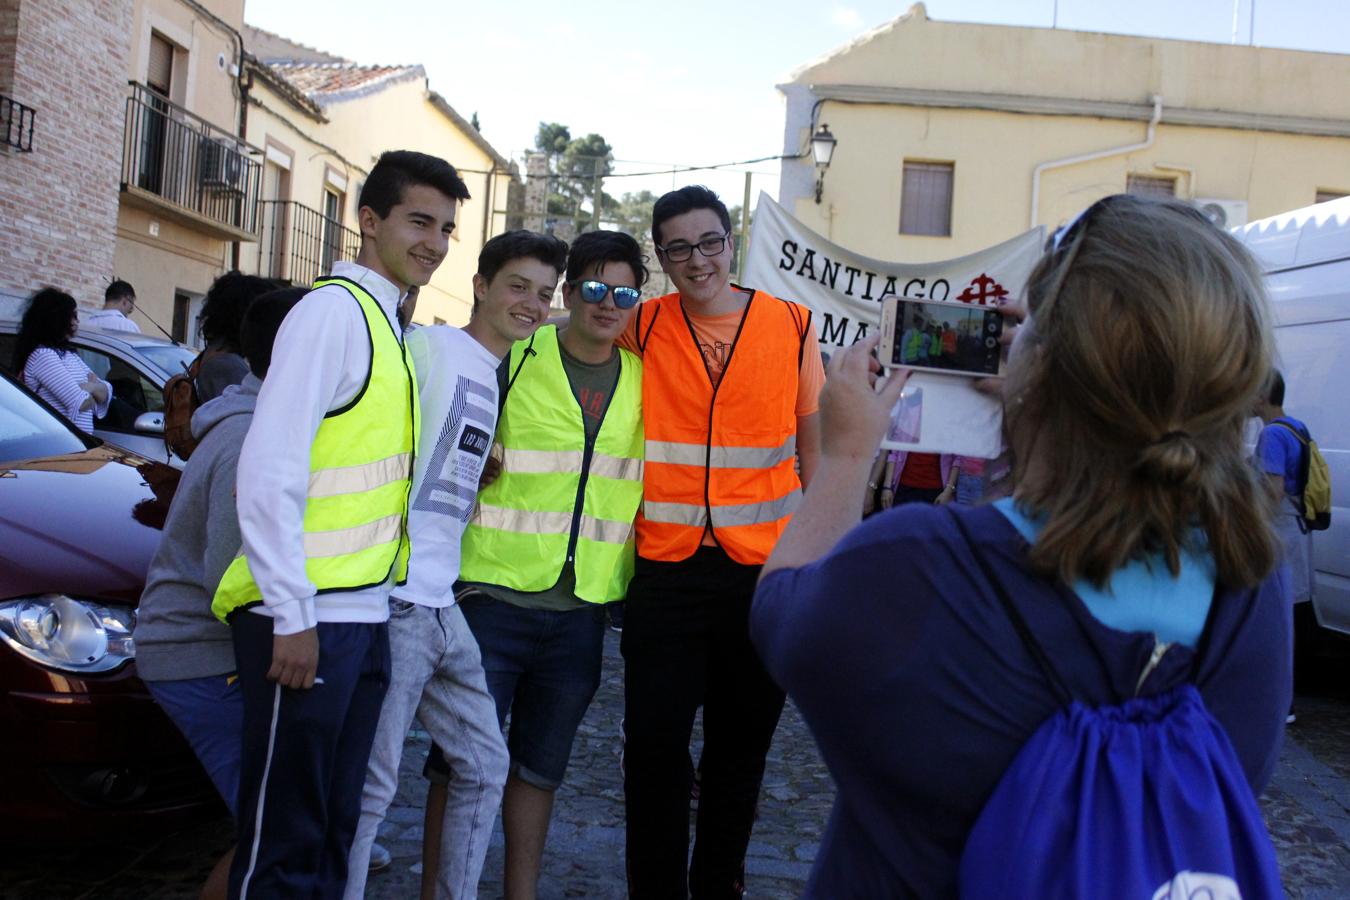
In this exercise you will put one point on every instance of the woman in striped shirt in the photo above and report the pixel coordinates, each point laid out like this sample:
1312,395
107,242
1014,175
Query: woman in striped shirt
51,368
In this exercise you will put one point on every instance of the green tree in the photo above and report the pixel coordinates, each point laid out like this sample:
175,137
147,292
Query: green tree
552,138
577,167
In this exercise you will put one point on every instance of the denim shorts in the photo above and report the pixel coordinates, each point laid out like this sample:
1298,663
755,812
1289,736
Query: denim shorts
210,714
543,669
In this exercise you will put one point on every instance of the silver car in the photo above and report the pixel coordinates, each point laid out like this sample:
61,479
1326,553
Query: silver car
137,366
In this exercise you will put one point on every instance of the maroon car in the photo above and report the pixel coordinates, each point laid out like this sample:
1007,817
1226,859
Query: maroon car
85,751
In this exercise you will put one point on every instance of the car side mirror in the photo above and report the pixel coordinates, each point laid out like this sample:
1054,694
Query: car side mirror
149,423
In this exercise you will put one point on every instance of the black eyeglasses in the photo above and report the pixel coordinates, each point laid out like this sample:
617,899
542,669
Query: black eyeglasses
595,292
707,247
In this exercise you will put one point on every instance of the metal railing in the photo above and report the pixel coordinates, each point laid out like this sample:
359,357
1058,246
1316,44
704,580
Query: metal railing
299,244
184,159
16,124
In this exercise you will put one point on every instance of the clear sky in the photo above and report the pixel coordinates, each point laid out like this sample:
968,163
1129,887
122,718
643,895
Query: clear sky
691,82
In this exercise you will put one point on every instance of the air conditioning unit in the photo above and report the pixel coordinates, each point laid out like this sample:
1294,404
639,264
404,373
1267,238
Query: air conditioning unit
221,166
1223,213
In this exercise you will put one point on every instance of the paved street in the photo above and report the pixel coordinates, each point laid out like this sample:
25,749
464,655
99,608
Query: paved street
1307,807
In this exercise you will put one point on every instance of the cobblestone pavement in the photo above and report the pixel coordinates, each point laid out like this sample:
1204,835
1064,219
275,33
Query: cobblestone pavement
1307,807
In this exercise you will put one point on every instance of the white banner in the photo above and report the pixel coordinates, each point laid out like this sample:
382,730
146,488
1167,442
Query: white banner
844,290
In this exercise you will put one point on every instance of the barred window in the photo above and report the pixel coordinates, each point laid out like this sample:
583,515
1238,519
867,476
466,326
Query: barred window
1151,185
926,198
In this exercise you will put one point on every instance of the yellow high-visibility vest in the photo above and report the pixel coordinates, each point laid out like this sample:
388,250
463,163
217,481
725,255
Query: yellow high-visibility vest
360,475
542,506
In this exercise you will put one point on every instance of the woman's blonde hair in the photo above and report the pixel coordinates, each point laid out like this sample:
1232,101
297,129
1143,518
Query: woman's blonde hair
1148,343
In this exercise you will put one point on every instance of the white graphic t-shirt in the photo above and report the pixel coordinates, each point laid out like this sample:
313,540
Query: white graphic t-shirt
457,385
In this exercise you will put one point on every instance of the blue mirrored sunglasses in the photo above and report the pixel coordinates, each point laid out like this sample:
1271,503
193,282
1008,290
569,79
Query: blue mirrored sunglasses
624,297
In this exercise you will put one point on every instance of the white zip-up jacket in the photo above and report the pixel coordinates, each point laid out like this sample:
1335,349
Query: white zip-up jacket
319,363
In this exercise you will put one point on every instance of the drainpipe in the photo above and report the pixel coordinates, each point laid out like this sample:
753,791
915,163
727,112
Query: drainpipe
488,191
1088,157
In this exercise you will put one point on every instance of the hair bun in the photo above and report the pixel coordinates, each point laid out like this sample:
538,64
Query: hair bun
1172,458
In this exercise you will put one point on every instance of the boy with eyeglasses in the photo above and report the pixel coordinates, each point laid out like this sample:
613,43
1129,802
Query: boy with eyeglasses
731,378
552,539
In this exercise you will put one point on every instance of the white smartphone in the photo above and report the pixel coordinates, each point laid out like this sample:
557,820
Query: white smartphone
948,338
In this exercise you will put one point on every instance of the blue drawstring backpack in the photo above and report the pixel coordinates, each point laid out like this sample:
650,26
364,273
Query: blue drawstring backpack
1144,800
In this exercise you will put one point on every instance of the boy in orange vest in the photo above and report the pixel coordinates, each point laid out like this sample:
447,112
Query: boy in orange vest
731,377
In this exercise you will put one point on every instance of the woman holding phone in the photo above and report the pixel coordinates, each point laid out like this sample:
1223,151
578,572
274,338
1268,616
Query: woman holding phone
1136,527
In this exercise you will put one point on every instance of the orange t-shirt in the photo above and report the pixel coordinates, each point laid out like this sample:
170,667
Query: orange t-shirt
715,335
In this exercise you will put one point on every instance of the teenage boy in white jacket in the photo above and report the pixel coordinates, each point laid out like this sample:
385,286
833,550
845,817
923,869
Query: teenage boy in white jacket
313,658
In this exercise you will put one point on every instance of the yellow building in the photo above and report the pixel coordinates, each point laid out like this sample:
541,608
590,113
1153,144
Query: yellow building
189,183
321,122
952,137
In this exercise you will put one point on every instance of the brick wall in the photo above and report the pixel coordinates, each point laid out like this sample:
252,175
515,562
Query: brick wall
9,34
58,204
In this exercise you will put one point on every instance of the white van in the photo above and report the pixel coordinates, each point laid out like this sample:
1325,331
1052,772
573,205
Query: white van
1306,257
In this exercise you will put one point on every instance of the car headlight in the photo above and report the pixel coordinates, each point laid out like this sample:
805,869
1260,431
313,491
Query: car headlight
65,633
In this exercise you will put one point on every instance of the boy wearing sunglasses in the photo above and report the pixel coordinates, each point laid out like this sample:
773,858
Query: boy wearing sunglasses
552,539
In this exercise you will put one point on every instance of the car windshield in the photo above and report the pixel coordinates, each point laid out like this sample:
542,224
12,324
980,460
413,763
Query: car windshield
172,358
28,430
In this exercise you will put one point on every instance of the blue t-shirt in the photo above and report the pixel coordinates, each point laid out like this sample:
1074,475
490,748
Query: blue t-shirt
1281,453
920,693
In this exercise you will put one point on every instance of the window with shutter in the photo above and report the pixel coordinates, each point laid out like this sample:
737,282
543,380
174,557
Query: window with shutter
926,198
159,72
1150,186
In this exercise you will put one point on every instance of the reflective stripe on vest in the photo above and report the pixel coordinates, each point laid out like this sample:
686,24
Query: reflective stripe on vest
521,530
729,515
720,457
356,500
552,462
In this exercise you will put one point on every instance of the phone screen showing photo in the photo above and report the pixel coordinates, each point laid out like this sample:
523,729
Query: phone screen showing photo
954,338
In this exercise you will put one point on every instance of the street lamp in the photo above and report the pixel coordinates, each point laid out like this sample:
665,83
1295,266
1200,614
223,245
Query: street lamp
822,148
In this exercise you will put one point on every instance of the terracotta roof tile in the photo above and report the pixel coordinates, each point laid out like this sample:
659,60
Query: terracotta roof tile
320,81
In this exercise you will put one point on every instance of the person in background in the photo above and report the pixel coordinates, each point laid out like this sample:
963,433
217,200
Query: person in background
1279,454
222,361
49,365
1134,513
119,299
912,477
184,654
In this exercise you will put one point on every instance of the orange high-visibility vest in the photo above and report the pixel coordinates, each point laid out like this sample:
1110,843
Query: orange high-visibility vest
719,457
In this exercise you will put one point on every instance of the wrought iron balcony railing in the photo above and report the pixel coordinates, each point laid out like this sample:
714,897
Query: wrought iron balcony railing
299,244
16,124
192,165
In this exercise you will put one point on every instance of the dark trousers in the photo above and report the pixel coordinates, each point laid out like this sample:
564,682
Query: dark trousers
304,759
686,643
906,494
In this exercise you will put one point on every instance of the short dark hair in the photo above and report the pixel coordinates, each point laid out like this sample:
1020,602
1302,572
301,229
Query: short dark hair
46,323
117,290
1275,388
261,323
600,247
226,302
521,243
687,199
398,170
